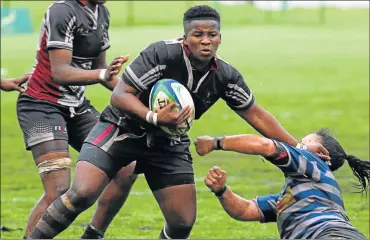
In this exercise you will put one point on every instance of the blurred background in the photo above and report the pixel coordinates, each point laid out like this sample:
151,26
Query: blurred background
307,62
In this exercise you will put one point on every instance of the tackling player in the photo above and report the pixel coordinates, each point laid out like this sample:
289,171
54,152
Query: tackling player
53,112
129,131
310,205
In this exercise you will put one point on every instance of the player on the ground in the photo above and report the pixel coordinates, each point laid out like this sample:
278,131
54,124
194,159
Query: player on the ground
14,84
310,204
53,112
165,160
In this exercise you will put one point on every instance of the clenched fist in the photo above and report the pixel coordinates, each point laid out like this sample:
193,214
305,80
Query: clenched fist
204,145
215,179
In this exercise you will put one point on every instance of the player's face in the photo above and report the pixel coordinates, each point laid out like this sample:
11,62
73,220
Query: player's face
311,139
203,38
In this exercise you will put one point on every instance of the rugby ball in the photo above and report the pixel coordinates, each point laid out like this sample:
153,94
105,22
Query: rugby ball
168,90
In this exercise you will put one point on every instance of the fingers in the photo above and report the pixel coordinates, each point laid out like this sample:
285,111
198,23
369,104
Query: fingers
324,150
18,88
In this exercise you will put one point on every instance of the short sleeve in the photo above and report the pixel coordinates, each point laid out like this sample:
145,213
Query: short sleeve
267,207
237,94
61,24
147,68
106,43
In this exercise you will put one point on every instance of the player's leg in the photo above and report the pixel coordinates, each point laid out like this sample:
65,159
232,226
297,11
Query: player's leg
96,165
178,205
117,191
110,202
44,133
89,182
171,178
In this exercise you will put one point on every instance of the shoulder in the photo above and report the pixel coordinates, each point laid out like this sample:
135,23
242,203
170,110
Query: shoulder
62,8
104,10
227,71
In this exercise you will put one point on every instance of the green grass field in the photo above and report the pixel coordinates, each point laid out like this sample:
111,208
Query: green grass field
307,76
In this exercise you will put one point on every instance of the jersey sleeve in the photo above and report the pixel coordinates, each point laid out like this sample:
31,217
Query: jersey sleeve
267,207
147,68
106,43
237,94
294,162
61,24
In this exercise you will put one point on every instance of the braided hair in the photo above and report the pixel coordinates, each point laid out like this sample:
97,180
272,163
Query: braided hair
360,168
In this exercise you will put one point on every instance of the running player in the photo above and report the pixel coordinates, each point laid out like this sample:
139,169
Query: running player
129,131
53,112
310,205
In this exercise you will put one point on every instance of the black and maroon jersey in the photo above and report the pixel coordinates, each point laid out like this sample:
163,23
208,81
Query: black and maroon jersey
169,59
73,26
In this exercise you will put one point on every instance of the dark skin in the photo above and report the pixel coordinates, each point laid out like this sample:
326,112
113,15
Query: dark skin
14,84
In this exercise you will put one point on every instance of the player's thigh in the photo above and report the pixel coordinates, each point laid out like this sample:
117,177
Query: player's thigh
40,121
171,178
80,125
102,150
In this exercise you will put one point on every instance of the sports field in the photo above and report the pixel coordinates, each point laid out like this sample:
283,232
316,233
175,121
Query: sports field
308,75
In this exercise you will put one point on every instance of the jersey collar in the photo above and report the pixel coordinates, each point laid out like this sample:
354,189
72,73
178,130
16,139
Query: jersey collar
213,66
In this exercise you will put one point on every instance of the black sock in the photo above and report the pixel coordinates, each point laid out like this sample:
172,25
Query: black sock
92,233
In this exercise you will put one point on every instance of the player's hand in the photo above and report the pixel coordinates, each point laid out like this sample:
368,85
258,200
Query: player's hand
204,145
115,67
169,116
14,84
319,150
215,179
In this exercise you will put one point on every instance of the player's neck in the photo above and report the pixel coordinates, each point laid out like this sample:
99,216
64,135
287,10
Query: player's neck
88,4
199,65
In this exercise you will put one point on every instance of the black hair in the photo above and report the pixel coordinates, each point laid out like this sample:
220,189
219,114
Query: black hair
360,168
200,12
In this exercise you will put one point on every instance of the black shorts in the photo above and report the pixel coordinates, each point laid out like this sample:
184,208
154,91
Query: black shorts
43,121
164,164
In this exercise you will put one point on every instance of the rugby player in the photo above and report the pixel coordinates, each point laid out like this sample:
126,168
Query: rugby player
310,205
128,131
53,112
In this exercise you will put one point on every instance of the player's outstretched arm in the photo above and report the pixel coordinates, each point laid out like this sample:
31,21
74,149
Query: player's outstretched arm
245,143
236,206
266,124
65,74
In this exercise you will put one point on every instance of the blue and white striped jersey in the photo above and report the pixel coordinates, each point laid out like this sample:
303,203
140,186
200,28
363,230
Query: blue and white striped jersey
310,201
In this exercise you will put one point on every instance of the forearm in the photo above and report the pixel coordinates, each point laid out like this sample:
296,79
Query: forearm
68,75
268,126
239,208
248,144
130,104
111,84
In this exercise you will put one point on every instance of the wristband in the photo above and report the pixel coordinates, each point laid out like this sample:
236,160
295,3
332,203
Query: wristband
102,75
220,193
218,143
155,119
147,117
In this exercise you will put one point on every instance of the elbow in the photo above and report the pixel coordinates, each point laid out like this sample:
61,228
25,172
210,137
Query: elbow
116,98
268,147
58,76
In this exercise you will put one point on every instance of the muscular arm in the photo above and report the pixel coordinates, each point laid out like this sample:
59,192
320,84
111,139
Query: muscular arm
64,74
239,208
125,99
266,124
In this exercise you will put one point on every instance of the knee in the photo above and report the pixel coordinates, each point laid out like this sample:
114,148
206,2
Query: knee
183,222
50,196
82,198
